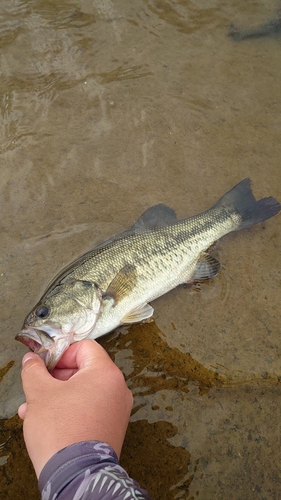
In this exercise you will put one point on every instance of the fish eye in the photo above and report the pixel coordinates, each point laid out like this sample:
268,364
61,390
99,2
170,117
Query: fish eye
87,284
42,312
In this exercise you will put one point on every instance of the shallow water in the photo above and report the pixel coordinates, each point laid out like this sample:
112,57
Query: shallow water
108,108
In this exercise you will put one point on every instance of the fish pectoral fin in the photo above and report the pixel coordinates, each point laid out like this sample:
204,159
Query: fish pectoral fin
207,267
122,284
143,312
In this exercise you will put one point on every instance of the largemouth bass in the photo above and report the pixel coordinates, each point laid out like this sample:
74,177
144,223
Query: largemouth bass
257,29
113,284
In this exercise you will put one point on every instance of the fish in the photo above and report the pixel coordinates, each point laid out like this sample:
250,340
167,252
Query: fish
257,29
114,283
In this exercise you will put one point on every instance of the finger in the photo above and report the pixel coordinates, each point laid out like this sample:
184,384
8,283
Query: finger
68,359
22,410
34,374
77,356
89,353
82,354
63,373
67,366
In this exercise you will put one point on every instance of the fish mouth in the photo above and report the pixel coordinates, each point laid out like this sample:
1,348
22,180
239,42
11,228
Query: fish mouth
39,341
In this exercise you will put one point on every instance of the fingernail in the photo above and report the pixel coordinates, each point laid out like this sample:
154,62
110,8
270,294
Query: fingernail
27,356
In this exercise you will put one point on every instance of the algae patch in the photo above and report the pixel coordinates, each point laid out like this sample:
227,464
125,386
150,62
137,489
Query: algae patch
17,477
156,365
5,369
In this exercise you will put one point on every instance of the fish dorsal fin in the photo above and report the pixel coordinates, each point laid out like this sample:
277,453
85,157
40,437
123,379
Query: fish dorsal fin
122,284
143,312
159,215
156,216
207,267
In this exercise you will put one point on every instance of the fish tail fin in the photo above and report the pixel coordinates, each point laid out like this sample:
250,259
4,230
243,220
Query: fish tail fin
241,201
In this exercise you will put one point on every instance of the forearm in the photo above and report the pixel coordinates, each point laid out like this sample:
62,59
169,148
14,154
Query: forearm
88,471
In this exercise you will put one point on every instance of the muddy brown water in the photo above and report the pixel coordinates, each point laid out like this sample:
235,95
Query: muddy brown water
108,108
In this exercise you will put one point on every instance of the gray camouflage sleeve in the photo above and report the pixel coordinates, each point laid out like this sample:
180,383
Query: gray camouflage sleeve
87,471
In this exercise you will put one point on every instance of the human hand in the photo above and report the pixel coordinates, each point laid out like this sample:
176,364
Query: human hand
84,398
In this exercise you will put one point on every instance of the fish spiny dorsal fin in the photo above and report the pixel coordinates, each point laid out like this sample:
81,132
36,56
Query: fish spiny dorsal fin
207,267
153,217
122,284
159,215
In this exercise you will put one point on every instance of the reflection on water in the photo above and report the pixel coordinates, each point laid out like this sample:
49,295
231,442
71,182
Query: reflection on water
108,108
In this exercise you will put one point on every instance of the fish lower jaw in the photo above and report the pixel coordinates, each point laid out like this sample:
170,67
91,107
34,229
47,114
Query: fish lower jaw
33,339
32,344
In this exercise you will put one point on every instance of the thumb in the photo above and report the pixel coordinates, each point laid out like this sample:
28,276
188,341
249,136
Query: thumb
22,410
34,374
91,354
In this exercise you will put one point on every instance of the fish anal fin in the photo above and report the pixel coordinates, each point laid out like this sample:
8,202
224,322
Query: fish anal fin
143,312
207,267
122,284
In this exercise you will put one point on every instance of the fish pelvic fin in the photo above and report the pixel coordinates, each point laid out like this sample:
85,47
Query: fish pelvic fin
243,207
143,312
